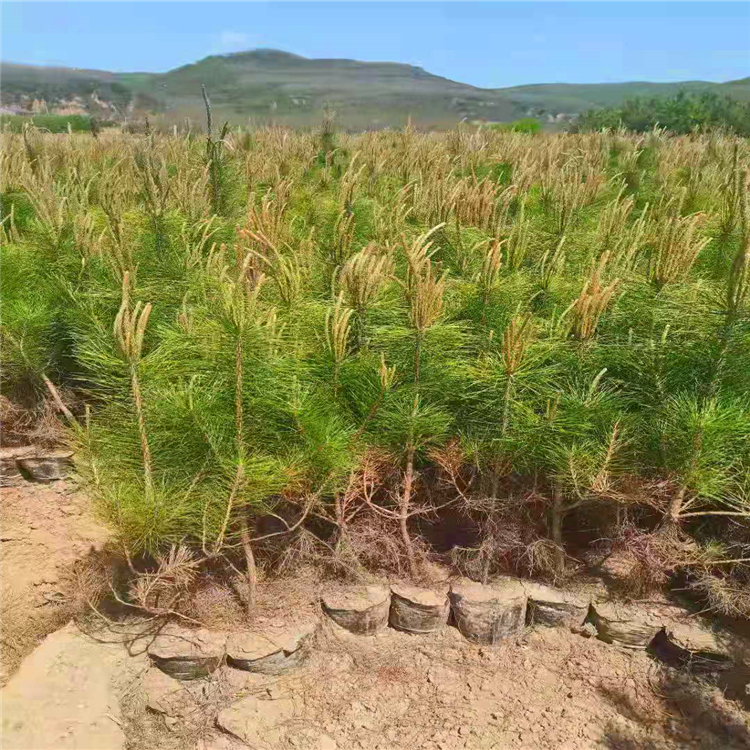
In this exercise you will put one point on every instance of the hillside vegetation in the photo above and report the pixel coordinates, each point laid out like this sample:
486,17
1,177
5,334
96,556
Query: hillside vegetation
683,113
372,351
579,97
265,84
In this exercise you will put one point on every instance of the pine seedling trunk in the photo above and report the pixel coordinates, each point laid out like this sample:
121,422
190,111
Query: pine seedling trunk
557,514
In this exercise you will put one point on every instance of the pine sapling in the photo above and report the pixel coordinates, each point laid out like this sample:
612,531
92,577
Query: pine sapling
361,279
594,299
424,294
489,274
676,245
337,337
517,245
215,160
129,329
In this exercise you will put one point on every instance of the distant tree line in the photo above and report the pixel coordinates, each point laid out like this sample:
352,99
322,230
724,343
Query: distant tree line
682,113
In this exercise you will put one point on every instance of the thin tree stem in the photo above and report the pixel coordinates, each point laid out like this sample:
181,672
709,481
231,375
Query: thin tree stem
58,401
675,505
404,506
238,415
506,404
556,520
251,567
145,449
405,501
417,360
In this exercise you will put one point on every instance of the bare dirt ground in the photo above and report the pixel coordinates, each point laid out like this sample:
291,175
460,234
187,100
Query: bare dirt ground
67,695
44,530
549,688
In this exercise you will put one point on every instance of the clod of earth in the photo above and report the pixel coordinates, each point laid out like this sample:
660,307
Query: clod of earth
554,608
623,624
273,653
187,654
45,469
488,614
418,610
259,723
688,644
10,474
363,609
164,694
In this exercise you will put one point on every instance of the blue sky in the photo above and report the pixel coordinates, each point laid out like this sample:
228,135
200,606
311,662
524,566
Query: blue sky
485,44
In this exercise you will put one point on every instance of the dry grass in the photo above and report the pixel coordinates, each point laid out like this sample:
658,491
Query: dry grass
641,562
194,728
724,595
38,424
513,550
373,544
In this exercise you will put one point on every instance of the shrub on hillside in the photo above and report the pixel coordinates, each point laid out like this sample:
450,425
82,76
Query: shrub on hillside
528,125
682,113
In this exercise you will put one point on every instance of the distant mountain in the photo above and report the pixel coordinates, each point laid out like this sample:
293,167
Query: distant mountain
268,83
